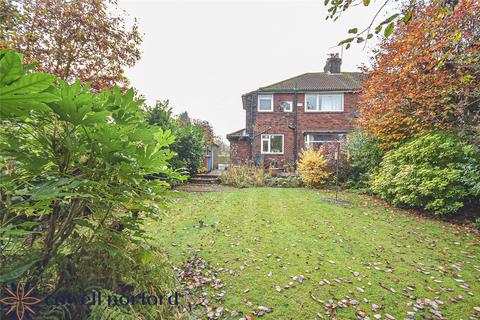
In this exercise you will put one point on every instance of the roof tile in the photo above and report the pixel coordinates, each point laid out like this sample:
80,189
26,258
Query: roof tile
319,81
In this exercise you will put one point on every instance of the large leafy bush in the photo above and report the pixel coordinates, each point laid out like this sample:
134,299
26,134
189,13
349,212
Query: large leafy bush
313,168
189,146
72,187
364,156
436,171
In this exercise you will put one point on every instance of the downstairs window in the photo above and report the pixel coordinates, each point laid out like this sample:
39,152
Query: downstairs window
272,143
315,140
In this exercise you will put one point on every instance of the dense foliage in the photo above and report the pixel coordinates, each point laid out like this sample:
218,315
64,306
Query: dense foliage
436,171
426,77
83,40
190,142
329,152
313,168
244,176
73,193
364,156
290,181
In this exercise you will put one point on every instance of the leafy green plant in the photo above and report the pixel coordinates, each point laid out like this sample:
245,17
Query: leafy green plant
429,172
284,182
476,224
364,157
74,179
189,146
313,168
244,176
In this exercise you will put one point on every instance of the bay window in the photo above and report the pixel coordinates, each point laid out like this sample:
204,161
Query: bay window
314,140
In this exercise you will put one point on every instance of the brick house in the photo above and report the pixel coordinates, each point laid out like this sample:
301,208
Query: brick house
287,116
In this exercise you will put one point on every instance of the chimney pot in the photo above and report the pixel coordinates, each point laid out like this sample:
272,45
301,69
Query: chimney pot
333,64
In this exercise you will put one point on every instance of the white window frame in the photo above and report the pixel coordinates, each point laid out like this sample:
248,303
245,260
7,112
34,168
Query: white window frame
318,97
290,104
266,137
264,96
308,141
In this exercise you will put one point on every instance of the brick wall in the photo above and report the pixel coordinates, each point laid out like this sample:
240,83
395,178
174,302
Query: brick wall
326,121
281,122
276,122
238,151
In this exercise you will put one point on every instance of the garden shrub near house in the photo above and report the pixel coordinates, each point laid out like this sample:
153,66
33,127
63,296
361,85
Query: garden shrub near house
290,181
436,172
328,150
313,168
364,156
244,176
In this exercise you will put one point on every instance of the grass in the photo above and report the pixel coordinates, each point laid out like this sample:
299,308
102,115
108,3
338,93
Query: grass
292,232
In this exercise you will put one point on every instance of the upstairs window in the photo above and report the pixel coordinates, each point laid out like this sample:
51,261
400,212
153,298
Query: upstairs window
324,102
272,143
265,102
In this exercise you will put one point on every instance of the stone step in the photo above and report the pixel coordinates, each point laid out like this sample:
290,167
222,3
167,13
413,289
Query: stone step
201,180
206,175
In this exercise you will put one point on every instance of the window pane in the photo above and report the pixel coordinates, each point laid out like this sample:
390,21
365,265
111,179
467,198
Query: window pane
265,103
311,101
276,144
265,145
331,102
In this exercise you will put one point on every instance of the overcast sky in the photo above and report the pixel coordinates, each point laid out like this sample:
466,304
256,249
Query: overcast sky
203,55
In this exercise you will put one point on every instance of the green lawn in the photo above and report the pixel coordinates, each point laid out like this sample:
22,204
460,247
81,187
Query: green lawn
370,255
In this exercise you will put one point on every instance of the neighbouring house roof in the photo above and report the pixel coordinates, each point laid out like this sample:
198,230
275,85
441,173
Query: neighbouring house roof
237,134
319,81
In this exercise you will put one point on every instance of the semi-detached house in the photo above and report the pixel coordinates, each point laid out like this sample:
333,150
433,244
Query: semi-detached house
306,110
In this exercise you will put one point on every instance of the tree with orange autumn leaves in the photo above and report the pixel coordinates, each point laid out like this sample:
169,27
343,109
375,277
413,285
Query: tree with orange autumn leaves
73,39
426,77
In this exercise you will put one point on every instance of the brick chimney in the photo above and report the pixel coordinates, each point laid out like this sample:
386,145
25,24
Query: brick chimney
333,63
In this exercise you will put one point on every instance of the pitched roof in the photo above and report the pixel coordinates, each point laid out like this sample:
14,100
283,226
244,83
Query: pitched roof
237,134
319,81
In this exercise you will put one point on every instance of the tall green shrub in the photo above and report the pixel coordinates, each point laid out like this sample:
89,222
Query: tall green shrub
364,156
189,146
435,171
